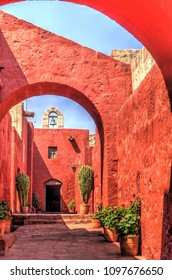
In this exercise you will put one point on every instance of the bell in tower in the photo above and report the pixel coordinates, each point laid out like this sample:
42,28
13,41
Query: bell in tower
53,120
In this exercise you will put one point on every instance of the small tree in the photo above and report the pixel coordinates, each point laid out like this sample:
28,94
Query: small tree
86,178
23,185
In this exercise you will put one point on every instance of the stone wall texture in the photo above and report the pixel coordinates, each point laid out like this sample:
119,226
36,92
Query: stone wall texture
144,145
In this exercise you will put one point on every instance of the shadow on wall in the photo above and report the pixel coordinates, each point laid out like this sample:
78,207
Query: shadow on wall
74,144
41,174
166,252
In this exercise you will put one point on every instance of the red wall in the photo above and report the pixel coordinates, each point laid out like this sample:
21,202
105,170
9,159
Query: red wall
96,164
5,157
60,168
144,145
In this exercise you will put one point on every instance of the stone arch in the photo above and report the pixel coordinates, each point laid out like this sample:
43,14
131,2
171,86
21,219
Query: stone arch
60,121
144,23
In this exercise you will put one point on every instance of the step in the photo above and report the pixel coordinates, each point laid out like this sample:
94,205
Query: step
28,219
5,243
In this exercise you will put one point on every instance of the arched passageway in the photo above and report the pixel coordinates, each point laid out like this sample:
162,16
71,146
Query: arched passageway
142,120
42,62
149,22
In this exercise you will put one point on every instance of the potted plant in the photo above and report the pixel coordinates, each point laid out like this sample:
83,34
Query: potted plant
128,228
85,180
71,205
96,218
23,186
6,207
109,220
3,217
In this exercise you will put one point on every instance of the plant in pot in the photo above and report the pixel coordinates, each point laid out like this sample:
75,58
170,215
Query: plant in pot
23,186
35,202
109,221
96,218
71,205
3,217
128,228
6,207
85,180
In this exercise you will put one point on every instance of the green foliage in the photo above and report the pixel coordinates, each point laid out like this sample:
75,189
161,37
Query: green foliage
129,219
23,185
86,177
98,214
126,220
110,216
99,207
35,201
71,205
4,210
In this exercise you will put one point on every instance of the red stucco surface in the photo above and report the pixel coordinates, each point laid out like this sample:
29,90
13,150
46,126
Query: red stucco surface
60,66
5,157
148,21
144,144
59,168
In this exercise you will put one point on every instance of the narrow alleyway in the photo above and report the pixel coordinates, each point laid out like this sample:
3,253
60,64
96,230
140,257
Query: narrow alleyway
62,242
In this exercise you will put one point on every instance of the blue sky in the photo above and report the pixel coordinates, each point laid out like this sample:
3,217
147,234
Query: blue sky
82,25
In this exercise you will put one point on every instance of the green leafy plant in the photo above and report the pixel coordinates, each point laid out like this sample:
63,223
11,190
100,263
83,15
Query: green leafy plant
86,177
110,216
98,214
129,220
4,210
71,205
23,185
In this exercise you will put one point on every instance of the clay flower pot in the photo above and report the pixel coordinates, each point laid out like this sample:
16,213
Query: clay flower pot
25,209
8,225
95,223
129,245
110,235
2,228
84,209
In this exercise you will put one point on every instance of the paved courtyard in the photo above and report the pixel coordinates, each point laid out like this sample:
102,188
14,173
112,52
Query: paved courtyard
62,242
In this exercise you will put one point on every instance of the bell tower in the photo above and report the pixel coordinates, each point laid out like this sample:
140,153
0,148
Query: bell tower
53,118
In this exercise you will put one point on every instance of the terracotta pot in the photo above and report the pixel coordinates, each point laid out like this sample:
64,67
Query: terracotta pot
110,235
2,228
129,245
96,223
84,208
8,225
25,209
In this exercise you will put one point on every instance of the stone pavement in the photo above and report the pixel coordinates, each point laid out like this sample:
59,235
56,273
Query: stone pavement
62,242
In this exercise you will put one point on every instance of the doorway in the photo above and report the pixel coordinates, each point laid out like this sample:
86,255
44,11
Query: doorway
53,196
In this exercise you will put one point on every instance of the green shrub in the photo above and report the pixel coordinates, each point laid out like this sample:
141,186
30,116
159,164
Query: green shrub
23,185
71,205
86,178
35,201
4,210
129,219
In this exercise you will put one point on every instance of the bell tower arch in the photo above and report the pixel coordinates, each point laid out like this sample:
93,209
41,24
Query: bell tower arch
53,118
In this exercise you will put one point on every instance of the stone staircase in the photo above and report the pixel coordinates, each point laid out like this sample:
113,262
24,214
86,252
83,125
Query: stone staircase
51,218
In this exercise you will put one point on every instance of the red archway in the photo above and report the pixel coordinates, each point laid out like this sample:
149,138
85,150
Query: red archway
149,22
59,66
